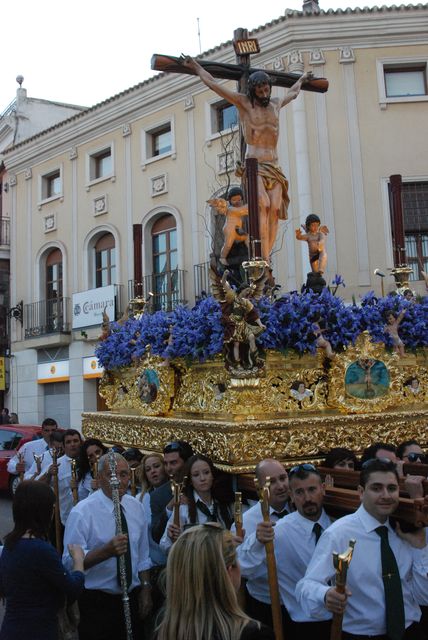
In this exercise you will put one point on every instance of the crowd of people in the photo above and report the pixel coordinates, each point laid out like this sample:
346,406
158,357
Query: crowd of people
187,572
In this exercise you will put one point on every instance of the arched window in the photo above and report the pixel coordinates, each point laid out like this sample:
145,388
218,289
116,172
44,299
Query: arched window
54,275
52,313
165,279
105,261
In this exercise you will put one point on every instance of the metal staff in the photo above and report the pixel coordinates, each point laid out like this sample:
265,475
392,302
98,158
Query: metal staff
133,482
238,513
271,562
341,563
114,484
58,536
21,460
74,483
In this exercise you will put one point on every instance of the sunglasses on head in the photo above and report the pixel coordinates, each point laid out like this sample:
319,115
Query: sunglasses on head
417,457
306,466
373,461
171,447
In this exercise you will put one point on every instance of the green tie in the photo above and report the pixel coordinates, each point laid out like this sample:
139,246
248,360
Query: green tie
394,605
317,529
128,562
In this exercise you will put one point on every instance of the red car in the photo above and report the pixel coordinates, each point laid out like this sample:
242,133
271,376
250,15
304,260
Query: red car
12,437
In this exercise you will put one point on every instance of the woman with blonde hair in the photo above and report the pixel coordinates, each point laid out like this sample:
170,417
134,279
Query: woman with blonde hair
202,579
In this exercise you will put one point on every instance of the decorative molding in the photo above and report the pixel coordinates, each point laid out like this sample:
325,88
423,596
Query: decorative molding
159,185
316,56
49,223
100,205
346,55
73,153
126,129
12,180
278,63
28,174
295,61
189,102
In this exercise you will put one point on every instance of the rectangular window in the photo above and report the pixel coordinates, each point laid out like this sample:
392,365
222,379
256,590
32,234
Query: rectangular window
402,79
224,116
101,164
161,141
405,81
51,185
409,221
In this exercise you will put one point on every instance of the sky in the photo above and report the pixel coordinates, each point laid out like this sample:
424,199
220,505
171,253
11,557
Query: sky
86,51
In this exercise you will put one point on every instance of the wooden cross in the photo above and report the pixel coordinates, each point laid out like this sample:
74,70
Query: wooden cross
244,47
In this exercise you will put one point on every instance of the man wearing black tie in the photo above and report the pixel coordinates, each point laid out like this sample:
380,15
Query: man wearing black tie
257,587
387,579
295,537
92,522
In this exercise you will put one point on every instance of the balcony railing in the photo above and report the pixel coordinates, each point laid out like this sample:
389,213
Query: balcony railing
4,232
167,289
202,280
46,317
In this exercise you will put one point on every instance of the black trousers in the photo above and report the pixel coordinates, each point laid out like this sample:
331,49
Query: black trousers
413,632
263,612
319,630
102,617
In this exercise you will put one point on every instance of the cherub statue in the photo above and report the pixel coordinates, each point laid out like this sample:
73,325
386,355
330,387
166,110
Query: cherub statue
234,210
315,237
322,342
299,391
240,318
105,326
391,327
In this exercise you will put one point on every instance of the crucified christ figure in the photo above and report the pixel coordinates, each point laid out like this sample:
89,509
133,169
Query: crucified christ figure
259,116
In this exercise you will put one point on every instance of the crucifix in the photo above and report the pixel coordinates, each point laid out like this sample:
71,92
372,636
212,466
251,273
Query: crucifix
266,185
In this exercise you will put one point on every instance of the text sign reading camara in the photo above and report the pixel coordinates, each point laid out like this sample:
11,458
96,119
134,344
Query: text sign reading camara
88,306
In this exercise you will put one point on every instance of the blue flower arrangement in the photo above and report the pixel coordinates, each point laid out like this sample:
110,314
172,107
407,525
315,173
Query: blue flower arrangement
197,334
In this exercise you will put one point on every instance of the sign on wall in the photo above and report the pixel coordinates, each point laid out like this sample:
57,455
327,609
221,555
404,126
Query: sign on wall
58,371
88,306
92,368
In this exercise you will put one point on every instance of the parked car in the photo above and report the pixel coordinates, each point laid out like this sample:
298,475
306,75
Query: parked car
12,437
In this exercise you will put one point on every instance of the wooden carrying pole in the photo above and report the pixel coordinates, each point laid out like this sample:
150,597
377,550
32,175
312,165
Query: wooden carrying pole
74,483
58,534
271,563
341,563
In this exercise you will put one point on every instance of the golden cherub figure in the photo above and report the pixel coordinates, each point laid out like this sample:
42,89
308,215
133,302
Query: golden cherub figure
234,210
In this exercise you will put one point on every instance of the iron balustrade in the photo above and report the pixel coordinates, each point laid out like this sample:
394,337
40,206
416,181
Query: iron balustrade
4,232
168,289
46,317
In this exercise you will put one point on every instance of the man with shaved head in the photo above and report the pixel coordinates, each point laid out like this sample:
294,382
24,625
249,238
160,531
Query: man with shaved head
258,597
295,537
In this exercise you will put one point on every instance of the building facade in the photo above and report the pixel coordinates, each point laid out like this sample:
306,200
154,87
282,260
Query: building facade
111,201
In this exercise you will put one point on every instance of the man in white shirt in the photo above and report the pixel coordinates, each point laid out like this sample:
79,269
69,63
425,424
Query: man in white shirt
39,468
257,587
387,577
92,524
27,451
295,537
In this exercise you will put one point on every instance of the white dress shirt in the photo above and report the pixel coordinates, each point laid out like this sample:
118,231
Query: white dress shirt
165,542
84,488
27,450
365,611
294,545
91,524
257,586
157,556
